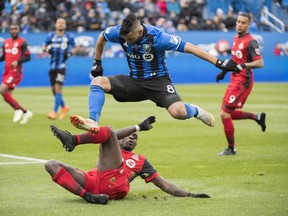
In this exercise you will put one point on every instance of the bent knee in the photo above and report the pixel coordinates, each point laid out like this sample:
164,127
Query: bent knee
100,81
178,113
51,165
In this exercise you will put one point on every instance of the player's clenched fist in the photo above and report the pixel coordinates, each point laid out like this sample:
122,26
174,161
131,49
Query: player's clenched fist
97,69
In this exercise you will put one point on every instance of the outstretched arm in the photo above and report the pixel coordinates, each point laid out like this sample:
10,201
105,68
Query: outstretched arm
143,126
228,64
173,189
99,47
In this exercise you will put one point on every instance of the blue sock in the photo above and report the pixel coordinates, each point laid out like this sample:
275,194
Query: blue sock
62,104
191,110
57,102
96,101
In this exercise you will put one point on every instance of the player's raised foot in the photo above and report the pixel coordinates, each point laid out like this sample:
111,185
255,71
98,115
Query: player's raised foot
84,124
26,116
206,117
261,120
64,111
52,115
96,198
17,115
228,152
65,137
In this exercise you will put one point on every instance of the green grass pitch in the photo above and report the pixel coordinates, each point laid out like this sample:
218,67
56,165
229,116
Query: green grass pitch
255,182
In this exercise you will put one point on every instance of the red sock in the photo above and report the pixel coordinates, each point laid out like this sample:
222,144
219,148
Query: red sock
229,131
65,180
238,115
101,137
12,102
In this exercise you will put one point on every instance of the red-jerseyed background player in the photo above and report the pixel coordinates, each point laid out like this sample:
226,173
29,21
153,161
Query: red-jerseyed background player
15,53
246,53
117,165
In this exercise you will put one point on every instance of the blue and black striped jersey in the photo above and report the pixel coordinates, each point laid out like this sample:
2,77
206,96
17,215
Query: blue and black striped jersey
146,58
59,48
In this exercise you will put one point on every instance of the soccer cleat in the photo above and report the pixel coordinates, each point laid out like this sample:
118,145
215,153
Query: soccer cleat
65,137
96,198
228,152
206,117
84,124
17,115
26,116
52,115
261,120
64,111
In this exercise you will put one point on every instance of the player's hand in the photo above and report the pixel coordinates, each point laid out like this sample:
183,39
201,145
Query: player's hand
147,123
240,67
198,195
97,69
67,55
228,64
221,75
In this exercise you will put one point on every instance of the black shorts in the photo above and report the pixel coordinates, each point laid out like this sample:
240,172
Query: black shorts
157,89
57,76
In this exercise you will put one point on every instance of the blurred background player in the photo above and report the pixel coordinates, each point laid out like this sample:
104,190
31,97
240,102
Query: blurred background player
116,168
15,53
246,53
57,45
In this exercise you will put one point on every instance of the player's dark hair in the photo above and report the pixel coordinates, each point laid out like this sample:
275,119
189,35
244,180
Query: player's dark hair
127,24
245,15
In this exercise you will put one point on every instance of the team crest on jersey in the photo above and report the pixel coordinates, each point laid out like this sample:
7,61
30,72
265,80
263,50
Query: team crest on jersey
147,48
241,45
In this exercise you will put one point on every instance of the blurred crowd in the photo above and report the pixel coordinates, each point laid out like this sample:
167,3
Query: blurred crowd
85,15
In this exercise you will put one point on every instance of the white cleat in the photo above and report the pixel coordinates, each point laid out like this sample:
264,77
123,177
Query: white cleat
206,117
84,124
26,116
17,115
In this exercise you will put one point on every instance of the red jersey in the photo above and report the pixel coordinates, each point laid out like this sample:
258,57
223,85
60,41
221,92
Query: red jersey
138,165
13,50
244,49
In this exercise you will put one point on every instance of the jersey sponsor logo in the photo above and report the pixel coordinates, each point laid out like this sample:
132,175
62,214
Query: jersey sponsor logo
238,54
130,163
14,51
134,56
148,57
147,48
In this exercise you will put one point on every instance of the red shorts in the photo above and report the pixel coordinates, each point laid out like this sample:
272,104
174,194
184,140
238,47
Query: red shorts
236,95
114,183
11,79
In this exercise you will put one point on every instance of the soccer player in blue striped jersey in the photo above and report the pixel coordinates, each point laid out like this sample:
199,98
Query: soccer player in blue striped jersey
58,44
149,79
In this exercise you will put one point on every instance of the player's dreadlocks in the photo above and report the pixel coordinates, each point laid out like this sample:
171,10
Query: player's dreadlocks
128,24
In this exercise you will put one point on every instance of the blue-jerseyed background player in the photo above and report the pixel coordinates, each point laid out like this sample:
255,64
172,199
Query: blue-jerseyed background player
58,44
149,78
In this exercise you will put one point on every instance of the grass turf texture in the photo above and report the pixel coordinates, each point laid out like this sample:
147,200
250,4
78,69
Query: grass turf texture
252,183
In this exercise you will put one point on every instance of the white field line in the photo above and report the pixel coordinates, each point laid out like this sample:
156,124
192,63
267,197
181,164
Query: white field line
26,159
